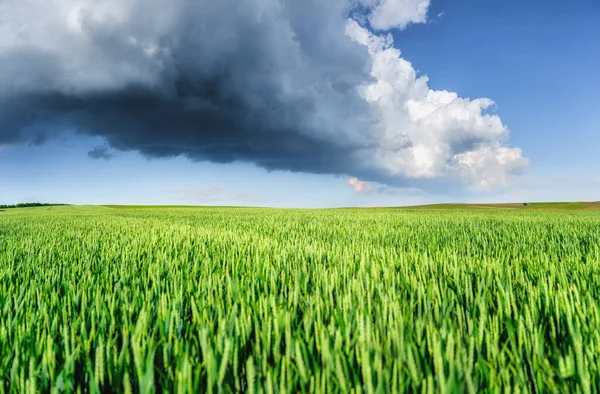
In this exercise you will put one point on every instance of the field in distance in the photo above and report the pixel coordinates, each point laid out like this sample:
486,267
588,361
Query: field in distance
521,206
184,299
579,205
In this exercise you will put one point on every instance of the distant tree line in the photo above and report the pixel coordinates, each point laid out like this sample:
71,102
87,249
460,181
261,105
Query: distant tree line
30,205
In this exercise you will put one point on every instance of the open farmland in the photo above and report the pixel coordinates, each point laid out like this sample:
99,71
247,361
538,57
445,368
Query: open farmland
268,300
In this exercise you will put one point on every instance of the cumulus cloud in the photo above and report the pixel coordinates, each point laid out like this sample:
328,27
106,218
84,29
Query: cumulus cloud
285,84
425,133
389,14
359,186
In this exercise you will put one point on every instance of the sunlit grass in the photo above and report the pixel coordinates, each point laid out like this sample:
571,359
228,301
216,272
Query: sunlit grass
266,300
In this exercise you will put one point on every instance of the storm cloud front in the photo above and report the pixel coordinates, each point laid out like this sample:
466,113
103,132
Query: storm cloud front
300,85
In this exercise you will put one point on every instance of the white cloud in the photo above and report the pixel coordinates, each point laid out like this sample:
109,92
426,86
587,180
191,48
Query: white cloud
396,14
360,187
425,133
489,166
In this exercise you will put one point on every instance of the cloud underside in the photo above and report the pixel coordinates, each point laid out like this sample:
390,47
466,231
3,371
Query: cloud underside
285,84
101,152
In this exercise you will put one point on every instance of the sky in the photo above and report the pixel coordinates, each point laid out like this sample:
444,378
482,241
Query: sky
299,103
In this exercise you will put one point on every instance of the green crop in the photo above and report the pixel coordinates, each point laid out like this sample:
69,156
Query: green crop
284,301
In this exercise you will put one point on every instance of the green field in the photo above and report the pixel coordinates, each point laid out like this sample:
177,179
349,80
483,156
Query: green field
554,206
268,300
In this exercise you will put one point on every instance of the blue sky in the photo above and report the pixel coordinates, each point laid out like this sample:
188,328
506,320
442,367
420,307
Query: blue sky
537,60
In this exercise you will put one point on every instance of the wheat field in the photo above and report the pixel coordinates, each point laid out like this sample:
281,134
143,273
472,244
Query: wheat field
96,299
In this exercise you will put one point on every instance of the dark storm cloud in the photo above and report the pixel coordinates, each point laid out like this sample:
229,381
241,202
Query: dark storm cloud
284,84
101,152
267,82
